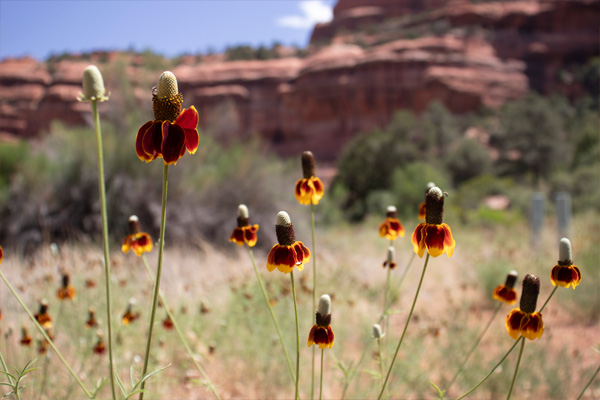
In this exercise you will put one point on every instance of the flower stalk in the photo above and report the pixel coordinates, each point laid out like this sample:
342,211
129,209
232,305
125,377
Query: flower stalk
512,383
297,335
312,226
161,246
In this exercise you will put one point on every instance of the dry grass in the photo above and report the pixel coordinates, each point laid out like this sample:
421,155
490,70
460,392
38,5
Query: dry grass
218,303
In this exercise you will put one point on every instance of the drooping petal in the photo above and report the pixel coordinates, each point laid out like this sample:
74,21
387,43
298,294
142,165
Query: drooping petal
237,236
151,141
188,119
141,243
311,335
250,236
173,142
302,254
434,239
417,239
281,257
449,242
126,244
502,293
330,335
139,148
303,192
514,322
534,328
1,254
422,211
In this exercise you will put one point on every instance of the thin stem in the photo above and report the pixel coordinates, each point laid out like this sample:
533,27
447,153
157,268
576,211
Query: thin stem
506,355
47,360
264,292
512,384
589,383
321,381
380,359
180,332
161,245
314,257
297,335
412,308
548,299
43,332
470,353
102,191
406,269
5,368
354,371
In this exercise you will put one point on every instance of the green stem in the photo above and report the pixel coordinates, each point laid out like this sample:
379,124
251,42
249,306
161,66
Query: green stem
354,371
380,359
470,353
102,191
43,332
161,246
314,257
512,384
493,369
321,380
548,299
589,383
47,359
180,333
412,308
264,292
297,335
4,368
506,355
406,269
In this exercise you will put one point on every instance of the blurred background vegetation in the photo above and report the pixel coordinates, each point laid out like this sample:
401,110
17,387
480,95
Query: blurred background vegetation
48,187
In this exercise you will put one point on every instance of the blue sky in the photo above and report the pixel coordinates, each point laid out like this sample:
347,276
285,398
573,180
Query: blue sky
40,28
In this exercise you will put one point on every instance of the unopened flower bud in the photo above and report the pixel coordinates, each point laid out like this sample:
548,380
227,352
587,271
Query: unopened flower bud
284,229
167,85
429,186
511,279
93,85
377,332
391,212
308,164
529,295
565,257
434,206
134,225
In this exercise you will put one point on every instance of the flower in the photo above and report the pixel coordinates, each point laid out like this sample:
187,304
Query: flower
42,317
377,332
1,254
288,253
391,228
565,274
66,292
172,131
321,333
93,86
244,233
25,338
432,234
91,321
310,189
524,320
389,262
422,206
168,323
100,347
129,316
138,241
506,293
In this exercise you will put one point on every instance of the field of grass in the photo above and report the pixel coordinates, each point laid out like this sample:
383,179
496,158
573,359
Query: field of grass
217,301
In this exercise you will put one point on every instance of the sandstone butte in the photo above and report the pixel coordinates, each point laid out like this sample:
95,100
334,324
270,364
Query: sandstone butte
466,55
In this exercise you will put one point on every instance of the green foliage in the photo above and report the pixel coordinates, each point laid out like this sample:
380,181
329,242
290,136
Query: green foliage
246,52
15,381
468,160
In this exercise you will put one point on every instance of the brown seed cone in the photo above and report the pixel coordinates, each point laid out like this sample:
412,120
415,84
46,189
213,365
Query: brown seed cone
308,164
529,295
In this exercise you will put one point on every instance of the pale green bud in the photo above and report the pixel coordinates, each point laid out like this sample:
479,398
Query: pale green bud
93,85
167,85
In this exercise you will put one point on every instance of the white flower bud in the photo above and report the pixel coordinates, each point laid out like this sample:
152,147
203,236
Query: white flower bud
324,305
377,333
243,211
564,250
283,219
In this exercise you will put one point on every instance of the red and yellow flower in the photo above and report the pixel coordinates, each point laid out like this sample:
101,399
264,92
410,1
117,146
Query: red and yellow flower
100,347
433,235
565,274
42,317
66,291
129,316
172,131
91,320
389,262
288,253
310,189
244,232
25,337
138,241
524,320
391,228
507,293
321,333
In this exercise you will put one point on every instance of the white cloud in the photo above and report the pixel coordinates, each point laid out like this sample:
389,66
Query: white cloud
313,11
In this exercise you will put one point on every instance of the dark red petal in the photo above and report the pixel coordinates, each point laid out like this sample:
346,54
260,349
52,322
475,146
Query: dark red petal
151,140
188,119
192,140
173,143
139,148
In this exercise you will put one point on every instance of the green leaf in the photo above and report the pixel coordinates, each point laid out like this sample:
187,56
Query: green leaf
439,391
148,375
120,383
